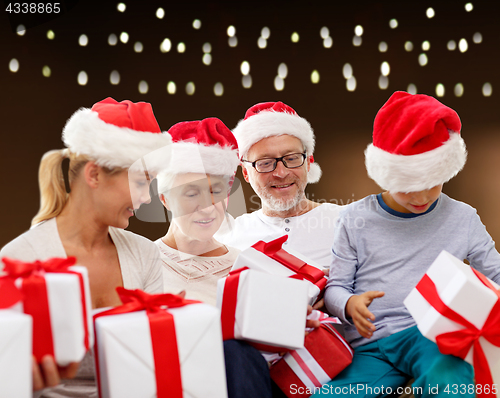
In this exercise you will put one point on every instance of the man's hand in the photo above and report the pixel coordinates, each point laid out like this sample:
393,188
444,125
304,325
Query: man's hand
48,374
357,309
320,305
311,323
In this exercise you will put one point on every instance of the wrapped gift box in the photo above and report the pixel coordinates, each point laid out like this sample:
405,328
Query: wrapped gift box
126,356
270,257
15,355
468,294
57,296
263,308
325,354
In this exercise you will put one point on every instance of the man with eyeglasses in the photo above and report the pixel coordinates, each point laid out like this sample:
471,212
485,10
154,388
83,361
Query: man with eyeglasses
276,151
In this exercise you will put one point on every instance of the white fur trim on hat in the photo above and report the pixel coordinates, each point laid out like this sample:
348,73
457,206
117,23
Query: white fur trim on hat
413,173
109,145
271,123
190,157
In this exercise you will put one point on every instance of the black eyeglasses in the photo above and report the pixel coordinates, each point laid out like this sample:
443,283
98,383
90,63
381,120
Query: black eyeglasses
290,161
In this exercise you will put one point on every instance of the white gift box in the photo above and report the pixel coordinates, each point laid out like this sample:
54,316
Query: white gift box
270,309
15,355
125,353
461,290
66,313
255,259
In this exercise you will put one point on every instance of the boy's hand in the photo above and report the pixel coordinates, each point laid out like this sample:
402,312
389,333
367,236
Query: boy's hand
357,309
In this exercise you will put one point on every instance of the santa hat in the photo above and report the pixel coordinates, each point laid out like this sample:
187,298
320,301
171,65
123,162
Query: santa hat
416,144
270,119
203,146
116,134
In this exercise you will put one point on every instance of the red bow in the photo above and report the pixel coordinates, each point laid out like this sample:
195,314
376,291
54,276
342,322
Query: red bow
163,338
460,342
20,269
274,250
33,293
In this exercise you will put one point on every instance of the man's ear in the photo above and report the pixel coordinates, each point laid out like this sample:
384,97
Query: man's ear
163,200
310,159
92,174
244,171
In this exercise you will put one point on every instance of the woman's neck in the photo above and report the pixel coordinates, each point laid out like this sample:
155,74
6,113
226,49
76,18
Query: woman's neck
77,226
178,241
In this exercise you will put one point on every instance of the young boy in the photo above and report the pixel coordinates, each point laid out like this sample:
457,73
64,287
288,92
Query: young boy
385,243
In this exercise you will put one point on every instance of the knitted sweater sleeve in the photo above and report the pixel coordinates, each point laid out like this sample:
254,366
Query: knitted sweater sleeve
340,286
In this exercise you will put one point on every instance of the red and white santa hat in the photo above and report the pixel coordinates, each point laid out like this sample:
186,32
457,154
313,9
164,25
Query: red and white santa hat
117,134
203,146
416,144
270,119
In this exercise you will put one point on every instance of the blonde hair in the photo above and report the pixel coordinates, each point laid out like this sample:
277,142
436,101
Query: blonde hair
53,195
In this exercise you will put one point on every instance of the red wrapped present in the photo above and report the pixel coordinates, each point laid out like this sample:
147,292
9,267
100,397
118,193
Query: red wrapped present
459,308
57,296
325,354
15,349
270,257
159,346
267,310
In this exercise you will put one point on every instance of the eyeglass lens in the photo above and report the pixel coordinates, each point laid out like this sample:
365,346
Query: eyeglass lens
290,161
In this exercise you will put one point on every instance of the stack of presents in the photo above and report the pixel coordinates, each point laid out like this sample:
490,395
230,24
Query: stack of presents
167,346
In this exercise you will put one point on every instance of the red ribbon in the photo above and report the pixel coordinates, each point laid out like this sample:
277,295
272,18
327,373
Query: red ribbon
33,293
163,337
229,302
274,250
460,342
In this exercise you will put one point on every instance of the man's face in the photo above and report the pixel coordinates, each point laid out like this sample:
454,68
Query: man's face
283,188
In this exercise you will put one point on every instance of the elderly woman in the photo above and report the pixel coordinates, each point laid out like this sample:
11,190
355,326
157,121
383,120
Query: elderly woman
195,191
106,186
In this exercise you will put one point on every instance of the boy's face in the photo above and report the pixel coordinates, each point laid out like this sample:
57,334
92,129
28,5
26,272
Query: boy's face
414,202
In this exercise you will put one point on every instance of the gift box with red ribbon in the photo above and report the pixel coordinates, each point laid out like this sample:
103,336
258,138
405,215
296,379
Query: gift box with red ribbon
15,354
459,308
159,346
57,296
325,354
267,310
270,257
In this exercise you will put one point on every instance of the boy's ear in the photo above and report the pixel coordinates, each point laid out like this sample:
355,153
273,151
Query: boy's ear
92,174
164,201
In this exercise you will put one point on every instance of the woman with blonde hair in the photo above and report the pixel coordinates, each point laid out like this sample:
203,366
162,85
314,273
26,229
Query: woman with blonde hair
109,176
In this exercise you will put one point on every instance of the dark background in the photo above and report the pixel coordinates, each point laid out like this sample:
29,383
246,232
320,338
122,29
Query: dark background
34,108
